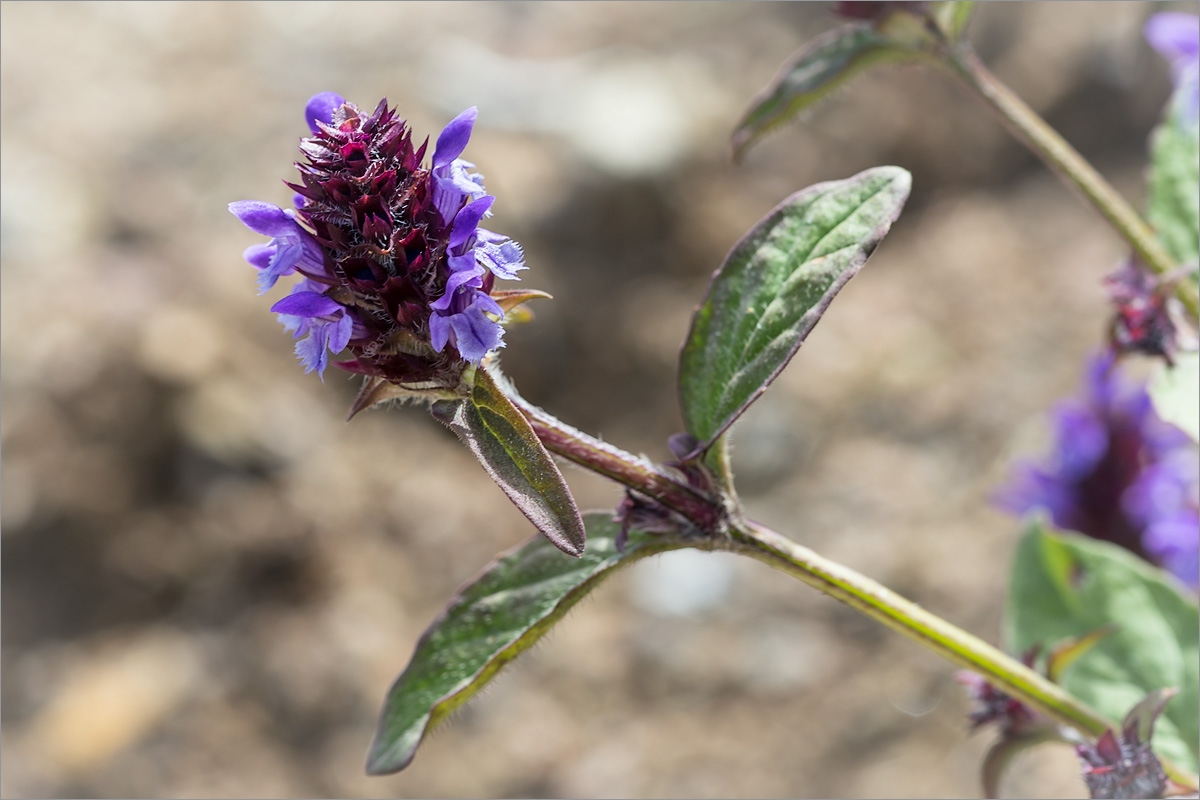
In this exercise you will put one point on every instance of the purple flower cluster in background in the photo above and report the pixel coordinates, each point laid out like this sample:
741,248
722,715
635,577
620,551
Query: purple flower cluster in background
394,265
1176,36
1119,473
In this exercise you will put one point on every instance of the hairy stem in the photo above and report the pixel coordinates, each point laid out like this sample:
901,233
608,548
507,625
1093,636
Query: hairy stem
615,464
836,580
1064,159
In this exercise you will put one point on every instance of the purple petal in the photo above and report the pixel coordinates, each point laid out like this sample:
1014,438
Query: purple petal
339,333
320,107
1176,36
469,278
464,262
467,221
454,137
283,260
1175,543
504,259
306,304
265,218
463,278
475,334
468,183
1082,439
486,303
312,351
293,325
259,255
439,331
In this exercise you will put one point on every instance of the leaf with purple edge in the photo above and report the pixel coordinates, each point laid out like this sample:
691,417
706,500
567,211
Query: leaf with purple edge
819,67
773,288
495,617
500,437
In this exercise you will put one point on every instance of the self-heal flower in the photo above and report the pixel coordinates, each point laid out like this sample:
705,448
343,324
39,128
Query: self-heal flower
1176,36
1109,446
396,270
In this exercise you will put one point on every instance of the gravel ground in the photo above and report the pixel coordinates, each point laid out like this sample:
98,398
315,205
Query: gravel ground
210,579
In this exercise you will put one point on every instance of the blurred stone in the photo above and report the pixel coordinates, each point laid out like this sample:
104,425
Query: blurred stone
113,698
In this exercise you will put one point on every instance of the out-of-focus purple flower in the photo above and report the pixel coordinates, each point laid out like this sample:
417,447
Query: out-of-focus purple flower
1176,36
394,262
1105,477
995,706
1165,499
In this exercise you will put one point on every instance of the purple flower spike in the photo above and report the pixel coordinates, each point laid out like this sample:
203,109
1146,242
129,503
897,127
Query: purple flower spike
321,107
1176,36
393,262
1119,473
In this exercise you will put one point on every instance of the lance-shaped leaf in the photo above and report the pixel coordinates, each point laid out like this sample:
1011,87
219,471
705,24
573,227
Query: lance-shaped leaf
501,438
1176,393
819,67
1065,585
773,288
495,617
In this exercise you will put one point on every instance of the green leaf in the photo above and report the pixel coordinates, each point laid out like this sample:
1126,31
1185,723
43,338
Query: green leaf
1174,201
501,438
497,616
773,288
1065,585
1176,393
819,67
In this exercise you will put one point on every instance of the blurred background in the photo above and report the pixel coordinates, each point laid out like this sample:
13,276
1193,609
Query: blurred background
210,578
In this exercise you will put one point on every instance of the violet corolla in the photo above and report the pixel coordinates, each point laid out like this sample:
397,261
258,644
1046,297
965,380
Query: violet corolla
1176,36
394,266
1117,472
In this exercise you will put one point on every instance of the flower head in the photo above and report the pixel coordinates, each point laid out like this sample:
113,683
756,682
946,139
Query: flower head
394,265
1107,475
1144,322
995,706
1176,36
1121,764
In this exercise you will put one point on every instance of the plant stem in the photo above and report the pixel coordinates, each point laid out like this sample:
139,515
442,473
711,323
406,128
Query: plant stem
1064,159
616,464
836,580
925,628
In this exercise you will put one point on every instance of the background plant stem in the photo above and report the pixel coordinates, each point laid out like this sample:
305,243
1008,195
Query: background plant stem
836,580
1066,161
